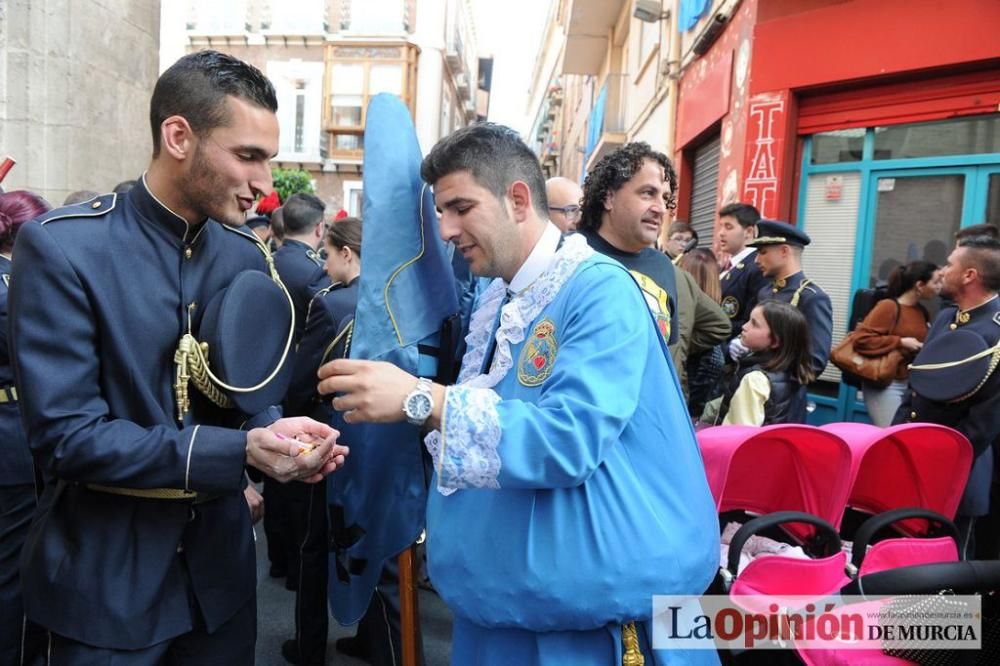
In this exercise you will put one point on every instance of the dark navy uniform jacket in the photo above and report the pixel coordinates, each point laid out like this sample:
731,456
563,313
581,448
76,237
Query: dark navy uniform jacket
977,417
740,286
815,305
301,269
99,299
15,459
330,313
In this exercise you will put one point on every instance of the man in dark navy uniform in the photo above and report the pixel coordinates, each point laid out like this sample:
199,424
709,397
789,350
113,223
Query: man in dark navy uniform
779,256
142,550
21,642
297,260
301,270
954,379
740,277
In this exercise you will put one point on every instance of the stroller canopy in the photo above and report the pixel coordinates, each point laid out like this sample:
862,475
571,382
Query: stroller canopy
909,465
777,468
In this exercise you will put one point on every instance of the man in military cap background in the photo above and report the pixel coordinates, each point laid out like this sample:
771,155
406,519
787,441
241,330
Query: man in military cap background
954,379
779,256
142,550
740,279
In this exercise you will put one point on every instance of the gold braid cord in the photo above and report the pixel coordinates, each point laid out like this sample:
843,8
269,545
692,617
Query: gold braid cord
630,643
191,357
348,331
994,354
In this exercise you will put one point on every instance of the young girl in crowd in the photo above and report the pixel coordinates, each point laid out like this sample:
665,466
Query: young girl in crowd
769,385
900,323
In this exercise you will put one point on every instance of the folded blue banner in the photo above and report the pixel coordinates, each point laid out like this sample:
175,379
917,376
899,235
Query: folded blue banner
691,12
407,291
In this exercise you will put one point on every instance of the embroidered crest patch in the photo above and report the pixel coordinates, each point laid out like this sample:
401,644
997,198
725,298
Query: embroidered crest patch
538,355
730,306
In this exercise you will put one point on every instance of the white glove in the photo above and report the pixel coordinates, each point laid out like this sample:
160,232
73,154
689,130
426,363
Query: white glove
736,348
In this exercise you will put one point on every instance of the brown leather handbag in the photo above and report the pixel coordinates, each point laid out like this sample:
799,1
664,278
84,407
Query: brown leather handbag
877,370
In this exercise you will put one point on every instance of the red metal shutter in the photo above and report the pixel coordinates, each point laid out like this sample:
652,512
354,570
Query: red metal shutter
933,98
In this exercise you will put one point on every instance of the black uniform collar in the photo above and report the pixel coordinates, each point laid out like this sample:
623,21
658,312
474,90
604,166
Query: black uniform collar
154,210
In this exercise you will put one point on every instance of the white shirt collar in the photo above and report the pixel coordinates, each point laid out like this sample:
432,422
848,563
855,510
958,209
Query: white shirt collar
539,259
743,254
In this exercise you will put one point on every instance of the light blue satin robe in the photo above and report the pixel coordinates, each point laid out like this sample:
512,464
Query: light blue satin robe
571,503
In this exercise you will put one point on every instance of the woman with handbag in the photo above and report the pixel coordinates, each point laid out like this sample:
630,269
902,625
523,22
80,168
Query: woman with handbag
893,332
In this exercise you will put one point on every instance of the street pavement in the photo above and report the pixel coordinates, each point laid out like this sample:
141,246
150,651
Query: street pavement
276,621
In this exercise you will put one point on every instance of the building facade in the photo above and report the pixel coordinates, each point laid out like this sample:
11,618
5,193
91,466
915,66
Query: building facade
74,95
602,78
328,58
872,124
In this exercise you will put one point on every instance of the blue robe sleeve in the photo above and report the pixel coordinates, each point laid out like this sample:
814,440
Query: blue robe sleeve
73,435
562,435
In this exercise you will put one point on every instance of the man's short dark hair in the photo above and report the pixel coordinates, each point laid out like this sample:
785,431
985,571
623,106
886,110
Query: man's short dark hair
977,230
744,213
301,213
79,197
983,254
494,155
612,172
124,186
195,87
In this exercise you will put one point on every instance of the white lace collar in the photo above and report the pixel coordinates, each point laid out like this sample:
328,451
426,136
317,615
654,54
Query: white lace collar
516,315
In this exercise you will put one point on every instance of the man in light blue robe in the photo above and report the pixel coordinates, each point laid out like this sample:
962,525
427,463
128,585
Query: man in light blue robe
569,488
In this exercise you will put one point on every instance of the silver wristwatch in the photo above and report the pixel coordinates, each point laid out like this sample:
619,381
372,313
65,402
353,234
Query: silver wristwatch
419,403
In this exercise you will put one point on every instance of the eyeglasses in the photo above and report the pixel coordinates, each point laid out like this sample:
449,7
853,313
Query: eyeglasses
572,211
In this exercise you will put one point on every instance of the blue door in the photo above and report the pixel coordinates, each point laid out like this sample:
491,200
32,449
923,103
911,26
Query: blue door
908,214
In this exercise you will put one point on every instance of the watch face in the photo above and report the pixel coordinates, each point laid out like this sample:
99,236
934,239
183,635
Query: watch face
420,406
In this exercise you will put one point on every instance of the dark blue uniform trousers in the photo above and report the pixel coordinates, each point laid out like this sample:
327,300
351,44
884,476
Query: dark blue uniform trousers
21,642
233,643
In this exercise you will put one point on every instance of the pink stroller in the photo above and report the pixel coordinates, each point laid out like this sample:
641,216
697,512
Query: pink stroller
917,473
907,481
791,482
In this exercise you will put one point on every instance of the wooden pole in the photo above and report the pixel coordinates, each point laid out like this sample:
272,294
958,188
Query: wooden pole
409,612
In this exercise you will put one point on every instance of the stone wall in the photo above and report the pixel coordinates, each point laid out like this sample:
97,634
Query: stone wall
75,82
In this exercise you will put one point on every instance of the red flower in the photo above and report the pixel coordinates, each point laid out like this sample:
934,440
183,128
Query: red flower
269,204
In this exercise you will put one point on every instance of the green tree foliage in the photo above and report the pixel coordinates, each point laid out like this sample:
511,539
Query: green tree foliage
292,181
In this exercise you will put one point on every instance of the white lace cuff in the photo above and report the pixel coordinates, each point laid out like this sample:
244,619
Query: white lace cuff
465,450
